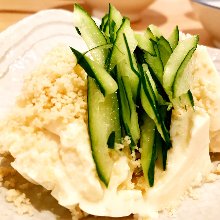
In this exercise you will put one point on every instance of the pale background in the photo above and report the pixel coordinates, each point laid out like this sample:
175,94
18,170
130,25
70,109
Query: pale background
164,13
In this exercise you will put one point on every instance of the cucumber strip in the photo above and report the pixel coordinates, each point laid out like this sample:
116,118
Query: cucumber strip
103,119
165,49
174,38
124,105
119,51
128,110
134,125
111,30
158,97
105,81
116,17
104,27
182,79
161,150
151,170
161,143
148,100
104,23
126,71
173,70
164,153
90,33
130,70
148,148
110,110
150,104
145,43
155,62
152,83
154,30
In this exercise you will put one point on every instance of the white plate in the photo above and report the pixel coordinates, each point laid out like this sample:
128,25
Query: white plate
22,47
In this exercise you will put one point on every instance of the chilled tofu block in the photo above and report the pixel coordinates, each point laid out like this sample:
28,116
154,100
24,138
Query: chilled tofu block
206,92
53,149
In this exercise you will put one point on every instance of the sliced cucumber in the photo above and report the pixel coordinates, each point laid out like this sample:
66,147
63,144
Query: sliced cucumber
117,57
145,43
161,152
134,125
174,38
103,119
105,81
148,148
155,62
173,71
116,18
90,33
104,23
104,27
183,78
154,32
158,97
119,51
150,104
148,98
128,110
151,81
125,39
113,23
162,52
165,49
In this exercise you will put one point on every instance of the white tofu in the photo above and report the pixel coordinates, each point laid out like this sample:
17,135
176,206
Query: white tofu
206,92
58,156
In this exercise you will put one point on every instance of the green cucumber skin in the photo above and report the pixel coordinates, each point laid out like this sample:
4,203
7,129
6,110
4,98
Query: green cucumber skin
150,103
153,32
174,38
117,55
103,117
154,115
132,71
145,43
165,50
174,63
105,81
154,156
162,50
129,114
90,33
116,17
103,24
100,154
147,145
180,78
155,62
122,58
134,125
